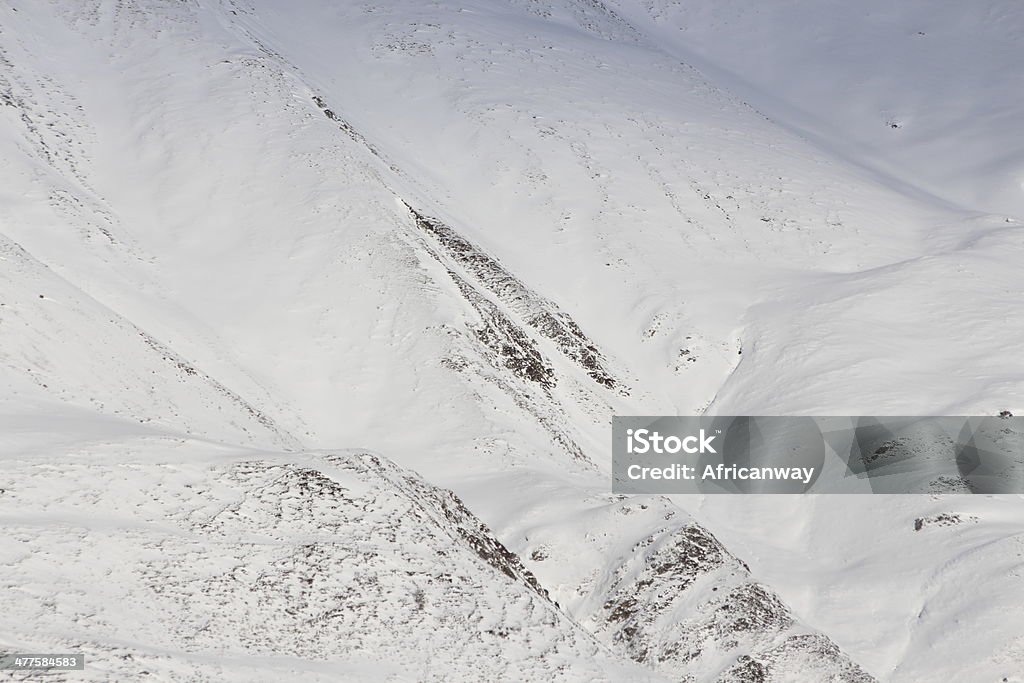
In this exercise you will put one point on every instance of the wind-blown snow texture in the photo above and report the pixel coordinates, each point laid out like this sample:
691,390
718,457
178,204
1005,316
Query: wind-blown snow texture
276,277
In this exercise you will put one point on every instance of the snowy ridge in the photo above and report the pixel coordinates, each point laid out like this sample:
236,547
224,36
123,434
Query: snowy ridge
272,238
682,602
186,560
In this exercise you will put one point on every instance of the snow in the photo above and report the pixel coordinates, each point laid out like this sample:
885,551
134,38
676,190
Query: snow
189,560
215,247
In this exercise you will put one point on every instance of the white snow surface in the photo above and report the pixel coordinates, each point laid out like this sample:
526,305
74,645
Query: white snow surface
245,239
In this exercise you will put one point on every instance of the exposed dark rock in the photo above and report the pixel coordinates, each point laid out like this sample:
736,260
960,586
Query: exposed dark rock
681,602
512,348
537,312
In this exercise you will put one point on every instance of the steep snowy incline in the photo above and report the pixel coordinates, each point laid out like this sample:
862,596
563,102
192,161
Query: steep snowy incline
922,588
463,235
678,225
168,171
927,94
726,258
185,560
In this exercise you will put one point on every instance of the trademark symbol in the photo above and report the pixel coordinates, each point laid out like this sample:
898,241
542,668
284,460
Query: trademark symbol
718,431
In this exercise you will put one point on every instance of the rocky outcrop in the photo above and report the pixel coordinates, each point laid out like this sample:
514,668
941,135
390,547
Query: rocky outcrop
683,605
538,313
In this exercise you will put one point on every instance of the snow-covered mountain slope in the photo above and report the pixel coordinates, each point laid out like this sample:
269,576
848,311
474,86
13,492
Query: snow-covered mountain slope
156,554
925,93
937,577
184,560
663,609
666,206
62,345
463,235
